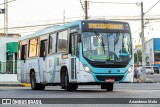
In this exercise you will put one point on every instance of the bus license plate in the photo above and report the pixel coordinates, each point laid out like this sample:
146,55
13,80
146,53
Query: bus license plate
110,79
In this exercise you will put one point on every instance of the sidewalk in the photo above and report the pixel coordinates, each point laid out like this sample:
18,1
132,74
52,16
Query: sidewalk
11,84
149,78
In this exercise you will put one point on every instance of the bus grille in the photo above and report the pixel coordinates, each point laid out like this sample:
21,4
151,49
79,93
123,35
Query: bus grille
116,77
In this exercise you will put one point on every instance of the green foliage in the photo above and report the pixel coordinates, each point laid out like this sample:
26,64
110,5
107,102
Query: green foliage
138,57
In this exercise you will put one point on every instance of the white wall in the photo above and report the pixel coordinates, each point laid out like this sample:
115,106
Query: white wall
8,78
2,52
3,41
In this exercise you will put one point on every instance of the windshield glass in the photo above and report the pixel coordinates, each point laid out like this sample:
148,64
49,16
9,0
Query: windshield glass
108,47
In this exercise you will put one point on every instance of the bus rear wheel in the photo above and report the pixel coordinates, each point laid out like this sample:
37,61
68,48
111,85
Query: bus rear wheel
107,86
34,85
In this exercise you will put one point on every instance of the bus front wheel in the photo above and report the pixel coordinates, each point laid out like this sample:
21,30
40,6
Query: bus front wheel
69,86
107,86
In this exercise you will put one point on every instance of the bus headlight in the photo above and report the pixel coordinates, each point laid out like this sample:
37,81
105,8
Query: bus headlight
86,68
130,69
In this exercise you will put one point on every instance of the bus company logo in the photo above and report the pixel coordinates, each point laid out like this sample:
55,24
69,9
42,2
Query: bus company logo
6,101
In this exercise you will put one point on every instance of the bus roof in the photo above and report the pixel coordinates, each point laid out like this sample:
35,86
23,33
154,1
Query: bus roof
61,27
50,29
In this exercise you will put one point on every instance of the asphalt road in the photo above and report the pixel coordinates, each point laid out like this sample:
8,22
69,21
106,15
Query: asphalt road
153,77
121,90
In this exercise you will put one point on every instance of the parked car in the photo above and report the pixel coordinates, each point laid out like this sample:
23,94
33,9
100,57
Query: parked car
149,69
156,69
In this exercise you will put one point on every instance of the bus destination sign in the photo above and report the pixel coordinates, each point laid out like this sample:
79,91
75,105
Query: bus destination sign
105,26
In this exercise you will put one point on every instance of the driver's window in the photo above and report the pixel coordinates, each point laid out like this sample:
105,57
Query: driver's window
126,43
88,43
118,43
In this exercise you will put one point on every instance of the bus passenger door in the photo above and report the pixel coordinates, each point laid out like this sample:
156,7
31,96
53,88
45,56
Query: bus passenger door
23,64
42,60
74,55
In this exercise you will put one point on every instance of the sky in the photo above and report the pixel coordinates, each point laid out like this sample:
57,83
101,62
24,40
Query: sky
43,12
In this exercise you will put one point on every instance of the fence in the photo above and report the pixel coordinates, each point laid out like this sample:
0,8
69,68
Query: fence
8,67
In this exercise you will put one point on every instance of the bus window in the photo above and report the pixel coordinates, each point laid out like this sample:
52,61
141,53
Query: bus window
19,50
62,41
23,52
43,48
33,44
52,43
74,44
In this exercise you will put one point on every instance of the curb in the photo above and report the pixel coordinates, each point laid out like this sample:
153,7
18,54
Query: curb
10,85
14,84
26,85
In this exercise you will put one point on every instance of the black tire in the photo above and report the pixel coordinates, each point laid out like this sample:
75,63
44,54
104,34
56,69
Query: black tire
103,86
34,85
75,86
107,86
63,86
69,86
41,87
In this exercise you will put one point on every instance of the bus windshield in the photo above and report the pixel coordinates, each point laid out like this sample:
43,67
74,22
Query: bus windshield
107,47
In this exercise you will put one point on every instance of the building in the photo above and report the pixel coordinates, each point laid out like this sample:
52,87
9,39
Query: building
153,52
8,56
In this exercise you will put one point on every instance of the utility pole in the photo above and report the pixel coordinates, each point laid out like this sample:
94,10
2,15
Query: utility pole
6,18
63,16
143,39
86,9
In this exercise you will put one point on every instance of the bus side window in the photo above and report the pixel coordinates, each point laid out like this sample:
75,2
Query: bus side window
24,52
52,43
33,46
19,50
74,44
43,48
62,46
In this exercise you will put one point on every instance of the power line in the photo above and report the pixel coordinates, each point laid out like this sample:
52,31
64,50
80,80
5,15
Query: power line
127,18
139,28
151,7
111,2
38,25
49,24
7,2
136,31
20,27
82,6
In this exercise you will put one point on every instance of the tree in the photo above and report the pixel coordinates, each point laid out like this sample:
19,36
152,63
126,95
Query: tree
138,57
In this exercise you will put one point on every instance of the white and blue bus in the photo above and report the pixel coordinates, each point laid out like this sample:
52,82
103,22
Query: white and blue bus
86,52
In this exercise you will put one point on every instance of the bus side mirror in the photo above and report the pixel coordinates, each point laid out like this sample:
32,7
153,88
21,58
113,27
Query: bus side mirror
79,38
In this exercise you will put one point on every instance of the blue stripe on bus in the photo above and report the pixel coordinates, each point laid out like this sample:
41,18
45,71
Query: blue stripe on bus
54,68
